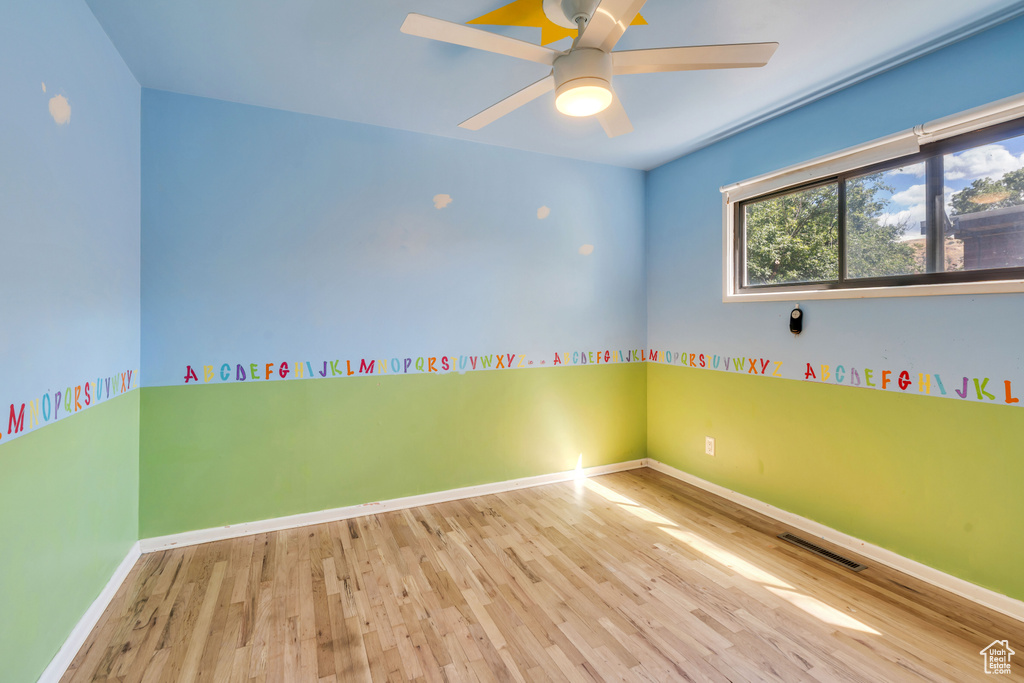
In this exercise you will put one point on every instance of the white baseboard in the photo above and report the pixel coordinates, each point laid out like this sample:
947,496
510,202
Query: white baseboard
965,589
62,660
220,533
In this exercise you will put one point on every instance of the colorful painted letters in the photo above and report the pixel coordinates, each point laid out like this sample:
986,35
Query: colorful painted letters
71,399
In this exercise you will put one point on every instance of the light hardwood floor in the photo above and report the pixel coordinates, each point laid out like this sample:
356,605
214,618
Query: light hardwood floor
631,576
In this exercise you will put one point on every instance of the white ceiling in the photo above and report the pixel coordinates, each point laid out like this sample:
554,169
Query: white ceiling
348,60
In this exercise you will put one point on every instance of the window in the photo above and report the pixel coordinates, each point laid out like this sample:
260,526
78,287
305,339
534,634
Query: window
950,213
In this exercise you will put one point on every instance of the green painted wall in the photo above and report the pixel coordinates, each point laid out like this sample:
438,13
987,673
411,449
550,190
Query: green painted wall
69,500
223,454
935,480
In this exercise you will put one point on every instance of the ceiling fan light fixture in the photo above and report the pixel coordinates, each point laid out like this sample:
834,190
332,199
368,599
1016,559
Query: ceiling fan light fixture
583,97
583,82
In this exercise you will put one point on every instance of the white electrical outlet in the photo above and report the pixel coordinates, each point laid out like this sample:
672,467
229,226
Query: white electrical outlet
709,445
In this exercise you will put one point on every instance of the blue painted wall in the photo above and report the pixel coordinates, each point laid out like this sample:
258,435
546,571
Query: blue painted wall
905,471
950,335
69,204
69,316
271,236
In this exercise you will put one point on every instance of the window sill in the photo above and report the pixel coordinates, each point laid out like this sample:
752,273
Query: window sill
961,288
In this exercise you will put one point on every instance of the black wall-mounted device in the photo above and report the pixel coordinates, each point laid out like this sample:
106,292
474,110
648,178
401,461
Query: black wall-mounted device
796,320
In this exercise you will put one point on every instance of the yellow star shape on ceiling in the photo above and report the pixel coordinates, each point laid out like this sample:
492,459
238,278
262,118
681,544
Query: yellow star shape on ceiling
531,13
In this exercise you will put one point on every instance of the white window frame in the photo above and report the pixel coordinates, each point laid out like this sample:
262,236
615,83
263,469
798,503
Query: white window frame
883,149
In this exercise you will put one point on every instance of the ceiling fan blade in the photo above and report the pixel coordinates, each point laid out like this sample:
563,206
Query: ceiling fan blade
614,119
510,104
610,21
459,34
657,60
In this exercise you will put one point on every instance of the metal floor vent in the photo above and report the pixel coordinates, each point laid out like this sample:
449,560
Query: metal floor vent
827,554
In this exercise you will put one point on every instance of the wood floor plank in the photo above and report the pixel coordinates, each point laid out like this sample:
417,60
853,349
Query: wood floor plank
199,637
626,577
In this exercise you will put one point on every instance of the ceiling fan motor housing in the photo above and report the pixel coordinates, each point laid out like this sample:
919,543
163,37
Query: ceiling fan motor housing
583,66
565,12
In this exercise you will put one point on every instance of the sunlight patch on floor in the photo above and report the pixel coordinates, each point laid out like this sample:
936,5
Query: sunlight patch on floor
826,613
608,494
812,606
726,559
647,515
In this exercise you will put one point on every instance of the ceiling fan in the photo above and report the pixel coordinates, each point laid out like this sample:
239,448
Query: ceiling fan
582,76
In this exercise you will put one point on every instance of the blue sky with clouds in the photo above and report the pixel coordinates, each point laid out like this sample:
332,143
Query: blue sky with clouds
907,202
